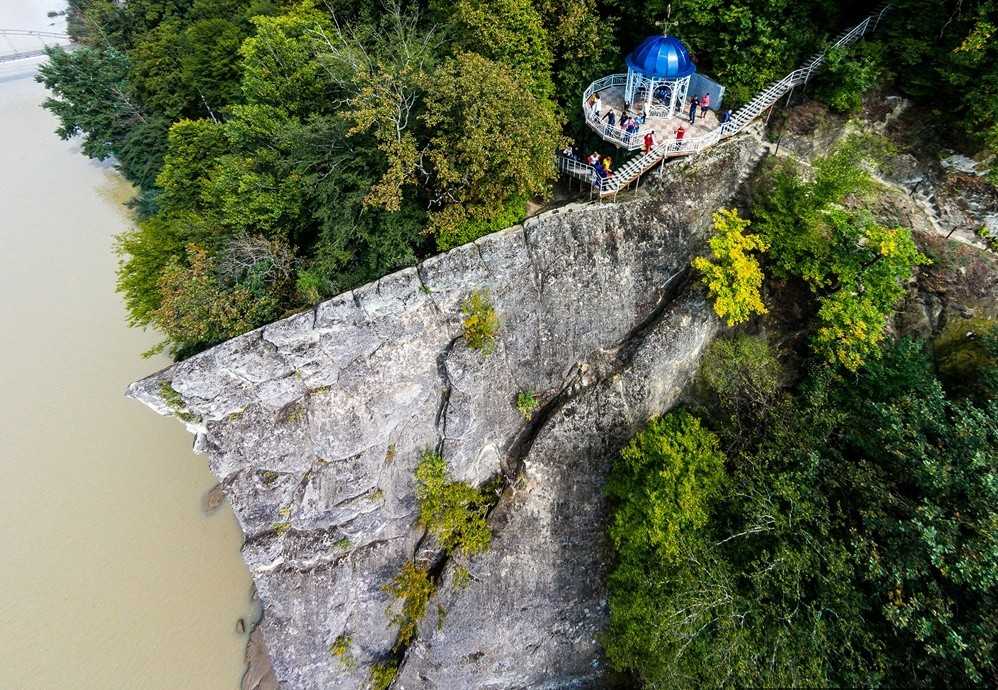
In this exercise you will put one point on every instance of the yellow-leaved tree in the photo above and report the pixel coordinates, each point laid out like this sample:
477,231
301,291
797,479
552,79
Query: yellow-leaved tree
732,273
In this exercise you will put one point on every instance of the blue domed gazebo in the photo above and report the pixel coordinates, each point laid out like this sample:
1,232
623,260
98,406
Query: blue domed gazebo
658,76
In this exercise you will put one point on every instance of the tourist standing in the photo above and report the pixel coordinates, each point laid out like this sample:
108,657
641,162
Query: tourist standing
680,133
611,120
726,118
693,110
594,105
704,104
649,140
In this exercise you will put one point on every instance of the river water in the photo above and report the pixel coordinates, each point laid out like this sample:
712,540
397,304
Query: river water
110,575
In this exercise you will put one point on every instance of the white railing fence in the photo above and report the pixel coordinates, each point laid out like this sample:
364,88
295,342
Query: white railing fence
631,170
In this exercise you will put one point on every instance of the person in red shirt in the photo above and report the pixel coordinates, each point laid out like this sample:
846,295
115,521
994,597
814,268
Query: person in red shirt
649,140
680,133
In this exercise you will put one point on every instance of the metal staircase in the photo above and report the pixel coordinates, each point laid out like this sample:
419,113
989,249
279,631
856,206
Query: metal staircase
631,171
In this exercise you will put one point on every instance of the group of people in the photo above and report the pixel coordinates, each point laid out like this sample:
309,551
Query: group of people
603,166
703,103
630,125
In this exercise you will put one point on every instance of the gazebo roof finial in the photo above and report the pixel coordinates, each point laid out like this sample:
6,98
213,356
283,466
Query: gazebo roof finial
664,23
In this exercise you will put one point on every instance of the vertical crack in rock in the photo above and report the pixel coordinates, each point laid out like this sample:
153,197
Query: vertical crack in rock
445,393
604,364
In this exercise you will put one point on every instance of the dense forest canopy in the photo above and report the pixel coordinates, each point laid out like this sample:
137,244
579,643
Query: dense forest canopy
287,151
842,534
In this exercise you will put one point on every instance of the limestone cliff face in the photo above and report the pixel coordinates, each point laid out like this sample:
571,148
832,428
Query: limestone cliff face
314,426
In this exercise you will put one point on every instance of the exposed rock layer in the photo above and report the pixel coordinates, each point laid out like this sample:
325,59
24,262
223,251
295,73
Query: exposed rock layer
314,426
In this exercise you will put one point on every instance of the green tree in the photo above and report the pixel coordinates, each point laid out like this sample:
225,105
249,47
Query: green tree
849,73
662,488
856,268
743,373
210,64
383,75
490,146
583,46
279,62
155,77
196,309
945,52
850,542
192,149
732,275
510,32
90,97
662,485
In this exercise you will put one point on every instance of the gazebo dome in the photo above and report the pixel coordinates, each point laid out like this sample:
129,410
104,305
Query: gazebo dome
662,57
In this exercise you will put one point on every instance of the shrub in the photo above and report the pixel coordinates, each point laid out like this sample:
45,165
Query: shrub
413,587
452,511
340,648
966,354
732,274
480,322
382,676
526,403
849,73
742,372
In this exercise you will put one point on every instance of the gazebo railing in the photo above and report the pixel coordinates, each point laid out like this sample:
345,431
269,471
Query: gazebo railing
634,168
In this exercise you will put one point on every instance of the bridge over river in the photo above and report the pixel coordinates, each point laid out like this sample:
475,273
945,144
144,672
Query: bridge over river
20,44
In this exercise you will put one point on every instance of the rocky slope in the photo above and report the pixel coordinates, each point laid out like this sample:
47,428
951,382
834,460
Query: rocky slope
314,426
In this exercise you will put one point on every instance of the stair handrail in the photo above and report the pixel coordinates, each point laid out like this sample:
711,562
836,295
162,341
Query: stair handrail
739,119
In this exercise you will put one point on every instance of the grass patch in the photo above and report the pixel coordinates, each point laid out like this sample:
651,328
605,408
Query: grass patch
268,477
453,511
462,576
413,588
175,402
526,404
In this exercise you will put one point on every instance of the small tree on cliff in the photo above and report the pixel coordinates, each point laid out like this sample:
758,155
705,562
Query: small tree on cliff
732,274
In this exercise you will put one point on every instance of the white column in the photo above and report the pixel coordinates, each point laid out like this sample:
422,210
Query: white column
683,89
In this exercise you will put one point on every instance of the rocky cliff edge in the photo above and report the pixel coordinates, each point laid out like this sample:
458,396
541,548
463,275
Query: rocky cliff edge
314,426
